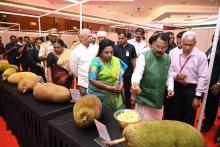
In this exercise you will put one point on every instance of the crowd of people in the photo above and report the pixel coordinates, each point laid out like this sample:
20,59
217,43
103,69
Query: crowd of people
168,78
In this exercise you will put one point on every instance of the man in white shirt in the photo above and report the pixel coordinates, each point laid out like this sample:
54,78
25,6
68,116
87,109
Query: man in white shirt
101,35
137,41
93,46
80,59
47,47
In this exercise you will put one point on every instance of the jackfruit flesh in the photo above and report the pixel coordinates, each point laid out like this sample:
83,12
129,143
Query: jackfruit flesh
128,116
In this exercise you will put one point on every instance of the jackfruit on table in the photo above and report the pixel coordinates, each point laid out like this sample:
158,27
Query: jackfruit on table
16,77
50,92
26,84
86,109
163,133
8,72
5,66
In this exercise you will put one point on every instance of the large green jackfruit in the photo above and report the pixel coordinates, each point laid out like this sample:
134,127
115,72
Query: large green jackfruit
86,109
161,134
8,72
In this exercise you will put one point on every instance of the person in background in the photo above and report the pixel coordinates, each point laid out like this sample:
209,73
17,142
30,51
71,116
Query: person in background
101,35
172,44
105,76
137,41
20,41
11,51
58,65
126,52
168,102
74,44
212,102
80,60
26,47
93,46
47,47
189,68
150,78
2,49
151,42
35,65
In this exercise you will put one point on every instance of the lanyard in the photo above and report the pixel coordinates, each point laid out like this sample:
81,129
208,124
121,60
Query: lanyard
181,67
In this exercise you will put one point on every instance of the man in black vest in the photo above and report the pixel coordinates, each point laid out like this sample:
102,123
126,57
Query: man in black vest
126,52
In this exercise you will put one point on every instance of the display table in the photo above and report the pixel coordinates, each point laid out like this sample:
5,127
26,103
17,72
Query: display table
27,117
63,132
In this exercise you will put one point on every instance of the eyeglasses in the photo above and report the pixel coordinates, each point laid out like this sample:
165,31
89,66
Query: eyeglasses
160,47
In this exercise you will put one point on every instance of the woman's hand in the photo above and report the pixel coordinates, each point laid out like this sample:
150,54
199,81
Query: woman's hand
116,89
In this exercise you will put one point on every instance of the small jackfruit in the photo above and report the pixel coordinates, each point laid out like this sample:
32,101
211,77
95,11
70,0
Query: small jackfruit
49,92
3,66
163,133
16,77
8,72
86,109
27,84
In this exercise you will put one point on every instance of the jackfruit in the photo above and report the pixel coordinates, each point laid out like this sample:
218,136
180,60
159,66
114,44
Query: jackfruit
8,72
16,77
5,66
86,109
4,61
160,134
26,84
49,92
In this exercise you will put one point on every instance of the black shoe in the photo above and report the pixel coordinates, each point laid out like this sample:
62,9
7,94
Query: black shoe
205,128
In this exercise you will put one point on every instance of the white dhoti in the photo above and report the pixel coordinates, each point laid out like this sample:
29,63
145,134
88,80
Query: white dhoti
149,113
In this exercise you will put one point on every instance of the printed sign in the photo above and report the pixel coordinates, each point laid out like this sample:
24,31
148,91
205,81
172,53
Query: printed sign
103,132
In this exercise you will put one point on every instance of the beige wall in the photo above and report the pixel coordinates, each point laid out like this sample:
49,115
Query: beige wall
204,36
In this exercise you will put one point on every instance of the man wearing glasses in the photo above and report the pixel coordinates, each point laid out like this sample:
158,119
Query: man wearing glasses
189,68
150,77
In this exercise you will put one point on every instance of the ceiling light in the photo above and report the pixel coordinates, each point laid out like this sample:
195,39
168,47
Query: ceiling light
33,23
64,13
19,14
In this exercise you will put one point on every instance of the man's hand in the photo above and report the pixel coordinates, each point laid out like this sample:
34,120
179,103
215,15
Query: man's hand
136,89
180,76
215,89
196,103
170,94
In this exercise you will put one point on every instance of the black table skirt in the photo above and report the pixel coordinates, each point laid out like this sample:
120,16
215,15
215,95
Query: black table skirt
63,132
27,117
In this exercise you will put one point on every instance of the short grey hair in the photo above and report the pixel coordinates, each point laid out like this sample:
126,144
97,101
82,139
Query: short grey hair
189,35
84,32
